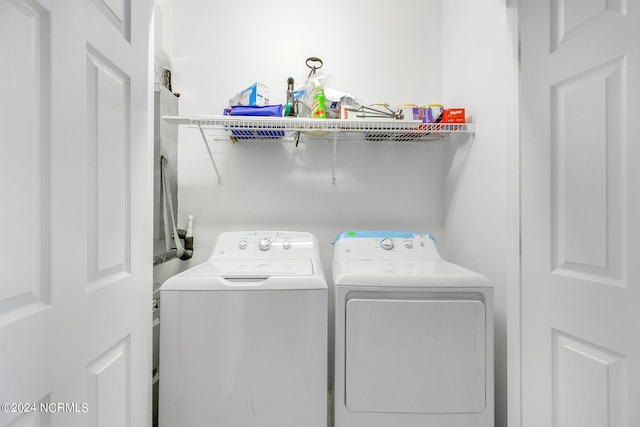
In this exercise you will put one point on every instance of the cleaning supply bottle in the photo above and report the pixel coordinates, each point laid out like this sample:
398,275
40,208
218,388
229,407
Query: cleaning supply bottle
317,106
289,109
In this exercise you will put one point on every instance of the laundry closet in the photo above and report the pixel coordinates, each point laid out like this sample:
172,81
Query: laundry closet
458,54
533,199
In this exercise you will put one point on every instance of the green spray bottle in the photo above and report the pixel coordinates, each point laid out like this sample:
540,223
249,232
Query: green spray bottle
318,110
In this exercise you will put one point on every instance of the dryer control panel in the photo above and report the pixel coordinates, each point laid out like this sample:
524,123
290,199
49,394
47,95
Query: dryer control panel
265,245
386,245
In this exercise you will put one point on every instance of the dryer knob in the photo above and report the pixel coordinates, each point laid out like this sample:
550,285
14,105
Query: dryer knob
286,244
408,244
264,244
386,244
243,244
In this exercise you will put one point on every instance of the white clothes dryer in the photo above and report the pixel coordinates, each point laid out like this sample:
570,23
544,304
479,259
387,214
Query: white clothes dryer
244,335
414,335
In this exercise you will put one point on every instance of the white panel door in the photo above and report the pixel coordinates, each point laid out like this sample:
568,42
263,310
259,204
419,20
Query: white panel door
75,173
580,103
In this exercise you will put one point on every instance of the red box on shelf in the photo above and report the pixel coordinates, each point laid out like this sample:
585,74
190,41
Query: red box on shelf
453,115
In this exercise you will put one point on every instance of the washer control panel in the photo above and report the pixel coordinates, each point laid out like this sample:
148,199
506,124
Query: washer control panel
385,245
265,244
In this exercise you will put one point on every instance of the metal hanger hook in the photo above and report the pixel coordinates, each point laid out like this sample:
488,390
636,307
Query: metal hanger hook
311,63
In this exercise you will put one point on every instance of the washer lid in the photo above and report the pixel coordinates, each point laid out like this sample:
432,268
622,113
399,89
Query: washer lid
250,269
249,275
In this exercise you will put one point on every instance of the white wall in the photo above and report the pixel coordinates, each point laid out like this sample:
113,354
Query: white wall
407,51
221,47
479,72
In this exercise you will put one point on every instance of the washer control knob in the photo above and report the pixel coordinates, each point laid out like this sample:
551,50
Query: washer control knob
264,244
408,244
386,244
286,244
243,244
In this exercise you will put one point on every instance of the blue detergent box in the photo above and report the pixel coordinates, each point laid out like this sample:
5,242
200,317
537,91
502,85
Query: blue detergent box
255,95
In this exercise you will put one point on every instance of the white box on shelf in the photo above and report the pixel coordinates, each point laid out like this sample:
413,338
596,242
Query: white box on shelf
256,94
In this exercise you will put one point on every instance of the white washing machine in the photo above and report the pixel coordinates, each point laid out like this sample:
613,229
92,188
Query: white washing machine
414,335
244,335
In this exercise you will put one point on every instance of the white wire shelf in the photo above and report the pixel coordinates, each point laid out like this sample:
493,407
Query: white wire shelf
241,128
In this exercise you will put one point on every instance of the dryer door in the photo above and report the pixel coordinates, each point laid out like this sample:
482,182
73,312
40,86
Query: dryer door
415,356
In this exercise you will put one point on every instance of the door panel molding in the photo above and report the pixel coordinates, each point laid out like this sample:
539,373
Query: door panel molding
108,385
108,180
573,19
24,41
588,383
118,13
589,224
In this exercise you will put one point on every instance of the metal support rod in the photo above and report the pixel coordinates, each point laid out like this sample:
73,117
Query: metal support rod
335,149
213,162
